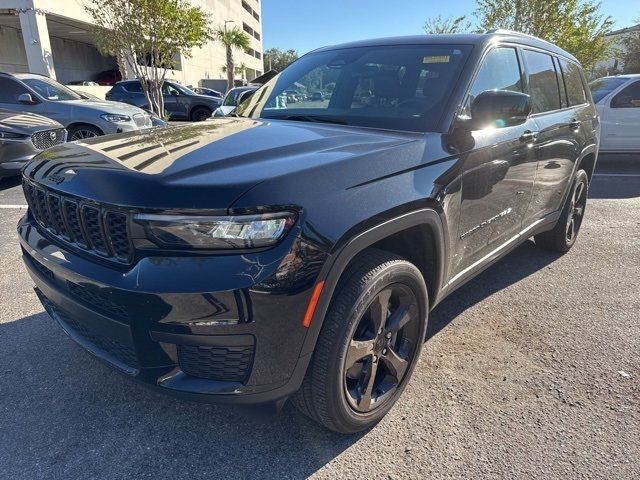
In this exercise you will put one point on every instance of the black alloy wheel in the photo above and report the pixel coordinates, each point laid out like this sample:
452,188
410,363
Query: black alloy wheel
381,348
563,235
368,345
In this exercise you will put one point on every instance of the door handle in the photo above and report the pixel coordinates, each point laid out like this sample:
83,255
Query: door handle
529,137
575,124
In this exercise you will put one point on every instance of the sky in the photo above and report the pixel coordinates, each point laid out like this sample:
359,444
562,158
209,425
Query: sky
303,25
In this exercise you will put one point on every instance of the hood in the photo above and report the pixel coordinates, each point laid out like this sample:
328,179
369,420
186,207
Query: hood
103,106
208,99
202,165
25,123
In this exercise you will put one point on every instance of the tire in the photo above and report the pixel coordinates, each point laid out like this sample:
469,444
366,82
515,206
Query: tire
563,235
200,114
335,391
81,132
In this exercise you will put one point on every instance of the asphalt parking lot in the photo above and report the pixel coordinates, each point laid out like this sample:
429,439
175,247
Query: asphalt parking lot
532,371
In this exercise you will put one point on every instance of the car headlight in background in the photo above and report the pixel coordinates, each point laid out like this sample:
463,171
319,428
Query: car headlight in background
115,118
12,136
217,232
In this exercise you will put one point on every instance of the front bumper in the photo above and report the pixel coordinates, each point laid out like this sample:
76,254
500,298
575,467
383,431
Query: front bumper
14,155
157,323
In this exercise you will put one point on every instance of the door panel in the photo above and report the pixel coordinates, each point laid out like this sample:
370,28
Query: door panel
497,172
621,120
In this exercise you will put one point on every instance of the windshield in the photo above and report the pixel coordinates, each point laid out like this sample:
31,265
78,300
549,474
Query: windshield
604,86
399,87
182,89
51,90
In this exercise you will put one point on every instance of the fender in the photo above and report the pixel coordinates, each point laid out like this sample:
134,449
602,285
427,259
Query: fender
338,261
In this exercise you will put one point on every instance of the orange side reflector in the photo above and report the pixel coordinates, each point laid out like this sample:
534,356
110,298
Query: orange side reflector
311,308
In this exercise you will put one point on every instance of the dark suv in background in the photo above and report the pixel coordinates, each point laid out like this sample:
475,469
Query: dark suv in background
181,103
296,249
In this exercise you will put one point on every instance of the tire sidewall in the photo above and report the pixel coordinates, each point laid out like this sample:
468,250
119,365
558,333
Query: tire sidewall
580,177
397,272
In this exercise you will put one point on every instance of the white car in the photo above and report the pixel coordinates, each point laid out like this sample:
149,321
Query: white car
618,102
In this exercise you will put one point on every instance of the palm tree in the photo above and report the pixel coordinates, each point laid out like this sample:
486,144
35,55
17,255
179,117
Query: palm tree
233,38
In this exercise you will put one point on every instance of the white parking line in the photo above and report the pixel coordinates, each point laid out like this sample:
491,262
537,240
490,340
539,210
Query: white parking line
616,174
13,206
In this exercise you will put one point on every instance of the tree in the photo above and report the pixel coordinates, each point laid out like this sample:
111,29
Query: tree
149,36
231,39
631,52
577,26
444,25
278,60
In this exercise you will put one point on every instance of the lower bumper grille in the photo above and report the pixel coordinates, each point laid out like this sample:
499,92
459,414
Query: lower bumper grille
229,364
121,351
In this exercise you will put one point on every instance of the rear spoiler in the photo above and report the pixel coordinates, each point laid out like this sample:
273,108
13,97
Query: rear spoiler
264,78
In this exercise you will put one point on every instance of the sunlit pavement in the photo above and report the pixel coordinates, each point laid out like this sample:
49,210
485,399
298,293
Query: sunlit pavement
531,371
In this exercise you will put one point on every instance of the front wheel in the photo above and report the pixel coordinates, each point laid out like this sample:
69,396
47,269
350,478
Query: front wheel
369,344
82,132
565,232
200,114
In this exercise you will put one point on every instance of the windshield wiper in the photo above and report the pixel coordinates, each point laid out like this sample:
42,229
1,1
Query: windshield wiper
310,118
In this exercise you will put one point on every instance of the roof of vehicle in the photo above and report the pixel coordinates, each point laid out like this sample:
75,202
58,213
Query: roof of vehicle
476,39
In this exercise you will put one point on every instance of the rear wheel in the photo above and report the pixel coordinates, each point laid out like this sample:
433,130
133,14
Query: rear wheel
81,132
369,344
565,232
200,113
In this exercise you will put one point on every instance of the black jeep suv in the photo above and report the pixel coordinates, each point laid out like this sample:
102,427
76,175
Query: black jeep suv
296,249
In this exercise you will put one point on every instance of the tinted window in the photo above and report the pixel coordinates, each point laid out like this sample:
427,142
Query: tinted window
399,87
10,90
133,87
604,86
629,97
500,70
573,81
543,82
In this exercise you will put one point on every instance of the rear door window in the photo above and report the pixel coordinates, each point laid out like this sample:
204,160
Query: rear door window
543,81
573,81
133,87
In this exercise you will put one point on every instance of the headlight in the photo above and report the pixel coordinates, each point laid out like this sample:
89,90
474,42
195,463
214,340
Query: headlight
12,136
115,118
245,231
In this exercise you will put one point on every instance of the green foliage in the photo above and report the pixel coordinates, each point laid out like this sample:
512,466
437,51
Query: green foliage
233,38
631,52
151,34
444,25
278,60
577,26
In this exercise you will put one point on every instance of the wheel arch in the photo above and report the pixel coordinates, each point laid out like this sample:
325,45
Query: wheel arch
199,105
394,236
80,124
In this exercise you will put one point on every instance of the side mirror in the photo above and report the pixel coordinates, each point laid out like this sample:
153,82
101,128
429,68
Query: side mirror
26,99
500,108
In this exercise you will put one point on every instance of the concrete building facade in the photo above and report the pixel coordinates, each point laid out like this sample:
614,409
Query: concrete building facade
53,38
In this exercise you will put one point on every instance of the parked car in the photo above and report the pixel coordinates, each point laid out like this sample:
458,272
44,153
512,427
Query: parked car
108,77
85,83
82,117
618,103
208,92
317,97
180,103
296,250
231,100
22,136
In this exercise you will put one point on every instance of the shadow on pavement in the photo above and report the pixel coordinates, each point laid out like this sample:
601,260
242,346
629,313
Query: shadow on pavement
612,187
9,182
522,262
65,415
